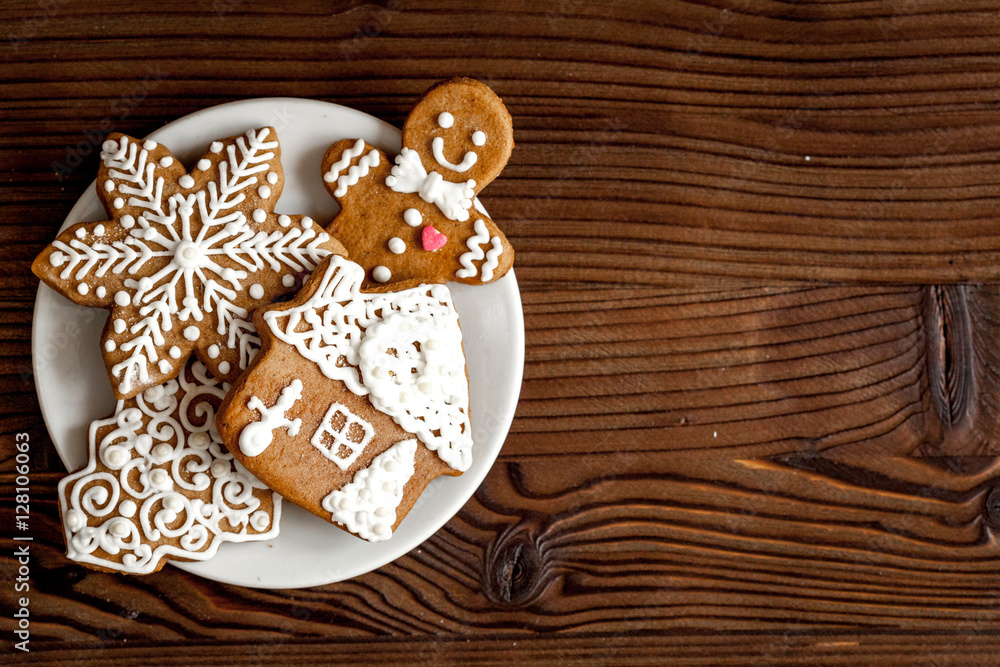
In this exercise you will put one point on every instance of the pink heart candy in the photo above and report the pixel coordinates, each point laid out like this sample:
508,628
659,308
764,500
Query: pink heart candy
432,239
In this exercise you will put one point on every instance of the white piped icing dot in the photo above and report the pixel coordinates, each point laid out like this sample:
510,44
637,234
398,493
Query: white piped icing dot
284,220
127,508
109,185
162,450
81,233
128,222
75,520
83,288
412,217
220,468
57,258
192,333
204,164
119,325
272,177
110,345
199,440
397,245
288,280
213,352
149,145
101,291
118,202
119,529
175,352
164,366
381,274
122,298
216,147
256,291
99,230
259,215
446,120
264,192
307,222
224,367
159,477
166,161
116,456
259,521
173,503
479,138
185,181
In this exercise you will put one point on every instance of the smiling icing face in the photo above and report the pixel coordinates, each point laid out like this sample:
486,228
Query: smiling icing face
461,132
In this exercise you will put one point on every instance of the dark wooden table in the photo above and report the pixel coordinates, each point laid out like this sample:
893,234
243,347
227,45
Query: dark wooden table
759,251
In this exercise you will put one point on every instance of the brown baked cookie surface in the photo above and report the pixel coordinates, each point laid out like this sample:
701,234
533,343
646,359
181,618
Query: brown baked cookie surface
160,486
185,257
356,401
419,218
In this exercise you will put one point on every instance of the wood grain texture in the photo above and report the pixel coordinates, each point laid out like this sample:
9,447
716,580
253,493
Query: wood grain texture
758,248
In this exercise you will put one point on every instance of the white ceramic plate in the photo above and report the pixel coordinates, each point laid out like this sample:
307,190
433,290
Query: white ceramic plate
73,388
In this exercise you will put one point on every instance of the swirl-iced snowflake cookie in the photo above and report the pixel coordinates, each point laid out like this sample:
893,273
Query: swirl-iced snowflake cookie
160,486
356,401
419,218
185,257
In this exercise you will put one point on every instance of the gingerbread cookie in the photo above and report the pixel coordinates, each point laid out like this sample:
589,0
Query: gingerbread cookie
160,486
185,257
356,401
417,219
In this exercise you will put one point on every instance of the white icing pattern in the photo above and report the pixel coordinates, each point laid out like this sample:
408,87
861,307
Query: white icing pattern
185,237
468,160
258,436
367,505
409,175
355,173
476,254
168,478
342,435
424,390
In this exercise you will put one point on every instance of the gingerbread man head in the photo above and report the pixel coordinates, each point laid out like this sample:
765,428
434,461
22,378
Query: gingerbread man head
418,219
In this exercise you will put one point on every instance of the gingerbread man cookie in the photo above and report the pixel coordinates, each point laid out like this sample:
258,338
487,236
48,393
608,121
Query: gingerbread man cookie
160,486
357,400
185,257
420,218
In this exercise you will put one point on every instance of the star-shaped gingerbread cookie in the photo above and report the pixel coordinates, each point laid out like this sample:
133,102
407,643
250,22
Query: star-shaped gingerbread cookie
185,257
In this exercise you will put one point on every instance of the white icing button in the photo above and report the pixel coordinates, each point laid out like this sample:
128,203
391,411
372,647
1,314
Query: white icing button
264,191
272,178
391,465
99,230
82,288
256,291
122,298
199,440
109,185
307,222
166,161
224,367
173,503
260,520
127,221
101,291
446,120
288,280
110,345
412,217
192,333
158,477
185,181
381,529
153,394
118,202
57,258
284,220
219,468
164,366
175,352
149,145
259,215
381,274
74,520
433,344
116,456
81,233
479,138
397,245
383,511
216,147
204,165
127,508
119,529
119,325
145,284
213,352
109,145
163,451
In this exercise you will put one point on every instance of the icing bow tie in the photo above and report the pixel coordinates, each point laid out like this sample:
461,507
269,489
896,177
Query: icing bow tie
409,175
